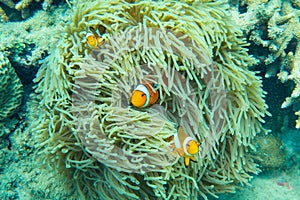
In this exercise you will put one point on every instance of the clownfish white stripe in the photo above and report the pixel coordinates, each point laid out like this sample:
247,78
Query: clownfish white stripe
185,143
89,34
176,140
144,89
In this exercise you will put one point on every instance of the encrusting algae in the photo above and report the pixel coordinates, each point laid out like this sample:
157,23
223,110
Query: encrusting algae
112,150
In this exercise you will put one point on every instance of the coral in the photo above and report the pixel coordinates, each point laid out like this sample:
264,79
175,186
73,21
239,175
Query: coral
3,16
10,89
24,4
27,43
23,45
278,20
7,126
295,77
24,8
88,131
22,177
269,152
274,27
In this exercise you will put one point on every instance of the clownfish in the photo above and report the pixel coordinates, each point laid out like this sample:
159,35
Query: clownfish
93,38
185,146
144,96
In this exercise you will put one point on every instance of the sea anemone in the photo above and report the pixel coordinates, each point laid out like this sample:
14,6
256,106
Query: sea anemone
197,57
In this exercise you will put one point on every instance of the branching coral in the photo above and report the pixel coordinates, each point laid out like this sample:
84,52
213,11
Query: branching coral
277,31
295,77
278,20
23,7
24,4
3,16
196,55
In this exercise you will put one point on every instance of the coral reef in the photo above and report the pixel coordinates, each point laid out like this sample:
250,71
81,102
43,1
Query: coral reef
10,4
273,27
23,47
24,4
269,151
27,43
294,76
195,53
11,88
21,176
11,93
22,9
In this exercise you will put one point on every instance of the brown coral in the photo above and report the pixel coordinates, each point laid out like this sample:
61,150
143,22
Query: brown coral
11,89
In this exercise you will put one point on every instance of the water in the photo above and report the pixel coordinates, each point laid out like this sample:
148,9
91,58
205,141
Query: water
46,151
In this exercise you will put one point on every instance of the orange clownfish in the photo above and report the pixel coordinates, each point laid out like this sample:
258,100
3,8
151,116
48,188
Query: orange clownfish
185,146
93,38
144,96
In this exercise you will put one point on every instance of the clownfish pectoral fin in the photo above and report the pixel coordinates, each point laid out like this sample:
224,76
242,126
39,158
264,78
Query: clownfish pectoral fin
187,160
101,41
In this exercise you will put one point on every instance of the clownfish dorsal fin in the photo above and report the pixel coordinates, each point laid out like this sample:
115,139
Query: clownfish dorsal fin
180,130
101,29
93,30
96,33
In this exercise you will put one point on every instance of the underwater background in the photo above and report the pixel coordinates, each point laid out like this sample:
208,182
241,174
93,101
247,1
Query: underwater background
29,33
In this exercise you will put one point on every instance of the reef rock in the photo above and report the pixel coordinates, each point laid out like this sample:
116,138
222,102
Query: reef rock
11,89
